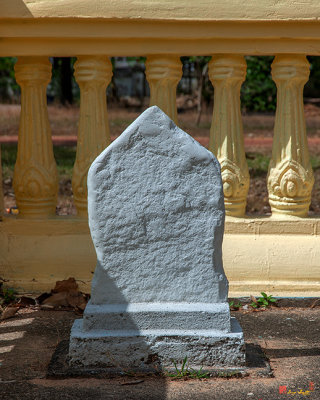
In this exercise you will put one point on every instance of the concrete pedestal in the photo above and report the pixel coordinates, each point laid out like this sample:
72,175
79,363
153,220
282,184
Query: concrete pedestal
156,347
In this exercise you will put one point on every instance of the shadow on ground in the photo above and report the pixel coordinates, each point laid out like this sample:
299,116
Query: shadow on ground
289,338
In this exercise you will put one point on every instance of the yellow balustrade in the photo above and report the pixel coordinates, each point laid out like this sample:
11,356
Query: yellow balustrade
163,74
227,72
290,178
93,74
35,175
278,254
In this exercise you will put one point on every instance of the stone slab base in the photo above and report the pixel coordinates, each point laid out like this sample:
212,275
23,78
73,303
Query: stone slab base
156,316
155,350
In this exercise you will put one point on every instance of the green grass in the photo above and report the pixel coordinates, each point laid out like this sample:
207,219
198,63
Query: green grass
8,155
121,122
258,164
185,372
315,162
64,155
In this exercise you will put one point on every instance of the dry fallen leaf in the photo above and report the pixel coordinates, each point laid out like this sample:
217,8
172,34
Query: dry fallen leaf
67,285
77,300
253,299
9,312
66,294
57,300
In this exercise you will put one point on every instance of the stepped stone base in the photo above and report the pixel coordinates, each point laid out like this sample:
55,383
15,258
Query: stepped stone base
155,350
157,316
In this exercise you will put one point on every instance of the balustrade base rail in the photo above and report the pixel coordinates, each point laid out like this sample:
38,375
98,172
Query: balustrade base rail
281,257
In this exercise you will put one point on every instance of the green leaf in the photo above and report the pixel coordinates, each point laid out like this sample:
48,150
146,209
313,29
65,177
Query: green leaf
184,363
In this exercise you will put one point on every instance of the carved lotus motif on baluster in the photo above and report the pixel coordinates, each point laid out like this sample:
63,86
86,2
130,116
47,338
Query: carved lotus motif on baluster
290,185
35,185
235,186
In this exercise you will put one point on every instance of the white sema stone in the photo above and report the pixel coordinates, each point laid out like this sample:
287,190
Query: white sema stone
156,216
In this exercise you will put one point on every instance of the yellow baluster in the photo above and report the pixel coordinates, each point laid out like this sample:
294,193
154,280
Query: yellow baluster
163,74
227,72
35,173
93,74
290,177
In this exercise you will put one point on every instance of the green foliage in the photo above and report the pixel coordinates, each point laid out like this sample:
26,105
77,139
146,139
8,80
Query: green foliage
315,162
9,88
7,296
184,372
63,86
200,65
258,92
264,301
258,164
133,60
312,87
8,155
234,305
64,156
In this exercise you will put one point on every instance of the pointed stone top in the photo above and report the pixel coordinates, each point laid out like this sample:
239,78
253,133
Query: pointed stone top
153,123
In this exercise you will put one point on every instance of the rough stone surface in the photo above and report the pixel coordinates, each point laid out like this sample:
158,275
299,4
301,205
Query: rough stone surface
156,216
157,316
145,350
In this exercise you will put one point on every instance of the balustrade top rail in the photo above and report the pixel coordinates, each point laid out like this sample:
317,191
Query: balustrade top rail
184,27
164,9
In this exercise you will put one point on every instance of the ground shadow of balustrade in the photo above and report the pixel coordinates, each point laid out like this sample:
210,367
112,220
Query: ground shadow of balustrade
255,357
293,352
28,343
126,337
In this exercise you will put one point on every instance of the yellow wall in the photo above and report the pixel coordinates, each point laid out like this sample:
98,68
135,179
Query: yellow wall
280,257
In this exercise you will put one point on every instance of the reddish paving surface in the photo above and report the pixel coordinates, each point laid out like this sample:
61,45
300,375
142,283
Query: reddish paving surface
288,337
68,140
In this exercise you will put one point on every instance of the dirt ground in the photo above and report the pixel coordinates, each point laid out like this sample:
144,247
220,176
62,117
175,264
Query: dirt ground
289,338
258,131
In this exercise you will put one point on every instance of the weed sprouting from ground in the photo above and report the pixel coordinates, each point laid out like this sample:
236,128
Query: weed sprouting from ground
264,301
7,295
185,372
234,305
